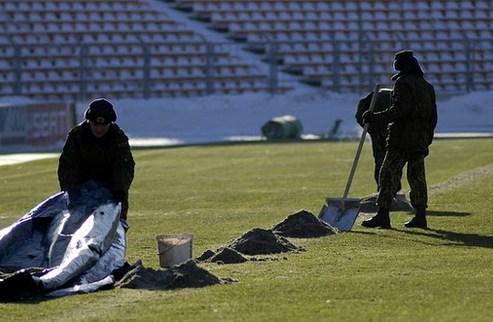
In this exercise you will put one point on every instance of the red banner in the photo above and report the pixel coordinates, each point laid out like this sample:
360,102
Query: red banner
36,124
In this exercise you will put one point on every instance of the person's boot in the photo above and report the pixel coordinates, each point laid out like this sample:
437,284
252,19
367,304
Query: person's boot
381,219
419,220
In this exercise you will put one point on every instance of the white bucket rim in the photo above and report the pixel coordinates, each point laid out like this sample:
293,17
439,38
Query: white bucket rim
188,238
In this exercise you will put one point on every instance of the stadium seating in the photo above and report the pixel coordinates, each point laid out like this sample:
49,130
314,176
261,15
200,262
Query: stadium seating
67,50
332,43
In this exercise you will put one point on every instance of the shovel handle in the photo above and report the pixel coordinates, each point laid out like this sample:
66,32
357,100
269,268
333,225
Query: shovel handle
361,142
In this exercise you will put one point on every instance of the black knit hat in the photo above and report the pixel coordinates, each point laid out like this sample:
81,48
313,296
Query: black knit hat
100,111
403,55
406,63
404,60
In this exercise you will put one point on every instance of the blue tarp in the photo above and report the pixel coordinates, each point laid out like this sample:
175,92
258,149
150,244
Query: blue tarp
65,245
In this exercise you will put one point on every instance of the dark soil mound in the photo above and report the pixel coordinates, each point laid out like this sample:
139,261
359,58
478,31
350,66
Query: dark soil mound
400,203
184,275
144,278
226,255
303,224
261,241
206,256
189,274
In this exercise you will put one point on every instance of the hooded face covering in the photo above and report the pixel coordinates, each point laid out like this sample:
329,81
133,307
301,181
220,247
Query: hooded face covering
406,64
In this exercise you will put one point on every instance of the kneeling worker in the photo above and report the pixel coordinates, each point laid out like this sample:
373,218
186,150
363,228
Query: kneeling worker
98,149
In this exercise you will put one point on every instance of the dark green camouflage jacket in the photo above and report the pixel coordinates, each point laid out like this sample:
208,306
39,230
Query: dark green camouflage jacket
412,116
382,103
107,160
378,131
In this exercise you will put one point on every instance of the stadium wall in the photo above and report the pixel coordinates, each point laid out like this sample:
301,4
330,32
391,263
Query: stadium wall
34,126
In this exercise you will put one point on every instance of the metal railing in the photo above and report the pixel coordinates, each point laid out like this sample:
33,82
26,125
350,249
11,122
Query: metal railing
77,71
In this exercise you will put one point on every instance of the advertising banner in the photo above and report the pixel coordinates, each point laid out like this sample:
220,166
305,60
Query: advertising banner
35,125
12,125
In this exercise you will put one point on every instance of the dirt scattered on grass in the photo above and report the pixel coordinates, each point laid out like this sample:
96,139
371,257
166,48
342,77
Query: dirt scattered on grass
403,204
255,242
303,224
461,179
187,274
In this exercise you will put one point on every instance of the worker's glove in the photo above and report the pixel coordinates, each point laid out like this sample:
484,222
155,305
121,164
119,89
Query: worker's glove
368,117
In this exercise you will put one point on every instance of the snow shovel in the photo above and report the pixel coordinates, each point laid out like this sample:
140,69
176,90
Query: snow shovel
341,213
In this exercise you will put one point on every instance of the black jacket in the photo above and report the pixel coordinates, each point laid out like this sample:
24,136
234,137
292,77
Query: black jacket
412,116
107,160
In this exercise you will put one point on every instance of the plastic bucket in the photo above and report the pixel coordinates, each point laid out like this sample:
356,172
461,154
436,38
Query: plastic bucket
174,249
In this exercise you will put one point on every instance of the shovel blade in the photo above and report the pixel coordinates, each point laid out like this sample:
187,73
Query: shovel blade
340,213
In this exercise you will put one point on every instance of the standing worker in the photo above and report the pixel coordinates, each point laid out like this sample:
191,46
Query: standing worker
97,149
412,117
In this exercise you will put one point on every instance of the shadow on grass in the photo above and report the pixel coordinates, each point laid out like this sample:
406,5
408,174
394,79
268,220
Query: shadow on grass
369,232
454,238
447,213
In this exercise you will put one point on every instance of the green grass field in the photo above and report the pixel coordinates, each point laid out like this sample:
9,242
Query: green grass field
219,192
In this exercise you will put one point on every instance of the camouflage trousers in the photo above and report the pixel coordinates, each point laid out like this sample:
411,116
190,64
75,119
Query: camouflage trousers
390,176
379,151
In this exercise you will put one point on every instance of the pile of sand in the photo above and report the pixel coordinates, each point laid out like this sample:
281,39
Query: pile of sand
303,224
223,255
257,241
184,275
262,242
